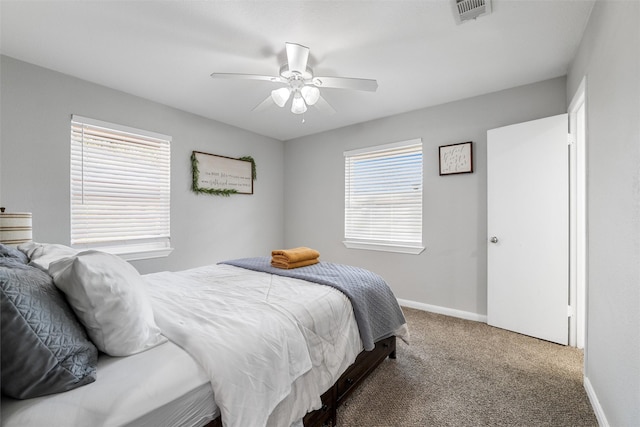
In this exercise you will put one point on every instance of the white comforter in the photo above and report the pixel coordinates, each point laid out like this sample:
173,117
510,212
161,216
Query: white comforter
258,336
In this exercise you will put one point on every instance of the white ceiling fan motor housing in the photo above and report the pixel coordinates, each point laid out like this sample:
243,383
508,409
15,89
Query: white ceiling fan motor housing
466,10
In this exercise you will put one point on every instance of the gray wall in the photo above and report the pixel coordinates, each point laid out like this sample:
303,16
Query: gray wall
452,271
36,107
609,57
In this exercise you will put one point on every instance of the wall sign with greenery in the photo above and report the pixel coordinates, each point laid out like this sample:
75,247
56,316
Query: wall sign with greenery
222,176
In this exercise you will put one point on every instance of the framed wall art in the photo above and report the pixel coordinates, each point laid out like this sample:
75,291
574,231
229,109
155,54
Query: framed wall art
220,175
456,158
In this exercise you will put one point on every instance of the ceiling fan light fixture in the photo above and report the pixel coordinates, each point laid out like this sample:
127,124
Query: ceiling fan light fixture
298,106
300,84
281,96
311,94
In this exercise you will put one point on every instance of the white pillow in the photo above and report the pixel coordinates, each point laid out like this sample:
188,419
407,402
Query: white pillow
42,254
108,296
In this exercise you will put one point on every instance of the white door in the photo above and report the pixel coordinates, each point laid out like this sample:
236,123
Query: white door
528,226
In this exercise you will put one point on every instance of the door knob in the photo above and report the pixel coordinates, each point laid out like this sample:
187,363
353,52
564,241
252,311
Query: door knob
494,239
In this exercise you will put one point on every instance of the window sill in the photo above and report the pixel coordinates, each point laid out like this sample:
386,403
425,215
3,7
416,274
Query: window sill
403,249
134,252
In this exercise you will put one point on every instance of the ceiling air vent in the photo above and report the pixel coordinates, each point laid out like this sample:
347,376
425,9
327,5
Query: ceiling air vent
465,10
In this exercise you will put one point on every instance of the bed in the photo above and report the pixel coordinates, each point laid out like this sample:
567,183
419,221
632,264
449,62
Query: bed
233,346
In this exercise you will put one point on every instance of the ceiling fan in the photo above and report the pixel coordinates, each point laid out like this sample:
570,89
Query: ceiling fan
299,83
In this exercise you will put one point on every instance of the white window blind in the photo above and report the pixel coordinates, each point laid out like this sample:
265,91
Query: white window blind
120,187
383,197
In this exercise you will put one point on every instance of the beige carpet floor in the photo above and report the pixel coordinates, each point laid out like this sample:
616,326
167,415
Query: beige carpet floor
462,373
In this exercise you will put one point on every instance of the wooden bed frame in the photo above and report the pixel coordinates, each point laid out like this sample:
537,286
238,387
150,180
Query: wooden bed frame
365,363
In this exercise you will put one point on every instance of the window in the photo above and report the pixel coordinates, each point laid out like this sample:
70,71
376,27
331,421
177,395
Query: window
120,189
383,197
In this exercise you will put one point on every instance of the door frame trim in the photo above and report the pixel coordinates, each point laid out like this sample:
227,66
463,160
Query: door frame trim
578,277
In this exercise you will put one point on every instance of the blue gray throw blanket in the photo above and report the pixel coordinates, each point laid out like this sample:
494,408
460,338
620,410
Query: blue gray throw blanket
375,307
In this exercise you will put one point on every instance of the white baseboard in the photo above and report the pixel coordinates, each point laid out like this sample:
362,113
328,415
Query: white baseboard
595,403
443,310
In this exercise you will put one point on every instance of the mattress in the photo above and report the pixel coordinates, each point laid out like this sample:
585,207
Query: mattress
162,386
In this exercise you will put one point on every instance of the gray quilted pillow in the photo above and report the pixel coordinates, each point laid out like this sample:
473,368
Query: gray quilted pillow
14,253
45,349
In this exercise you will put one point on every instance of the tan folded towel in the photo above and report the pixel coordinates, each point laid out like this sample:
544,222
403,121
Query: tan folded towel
283,260
296,254
290,265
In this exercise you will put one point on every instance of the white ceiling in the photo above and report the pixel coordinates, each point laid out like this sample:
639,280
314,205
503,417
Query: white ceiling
165,51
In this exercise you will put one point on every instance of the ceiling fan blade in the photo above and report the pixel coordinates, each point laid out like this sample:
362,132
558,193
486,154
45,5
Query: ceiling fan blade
297,57
268,102
368,85
274,79
323,106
